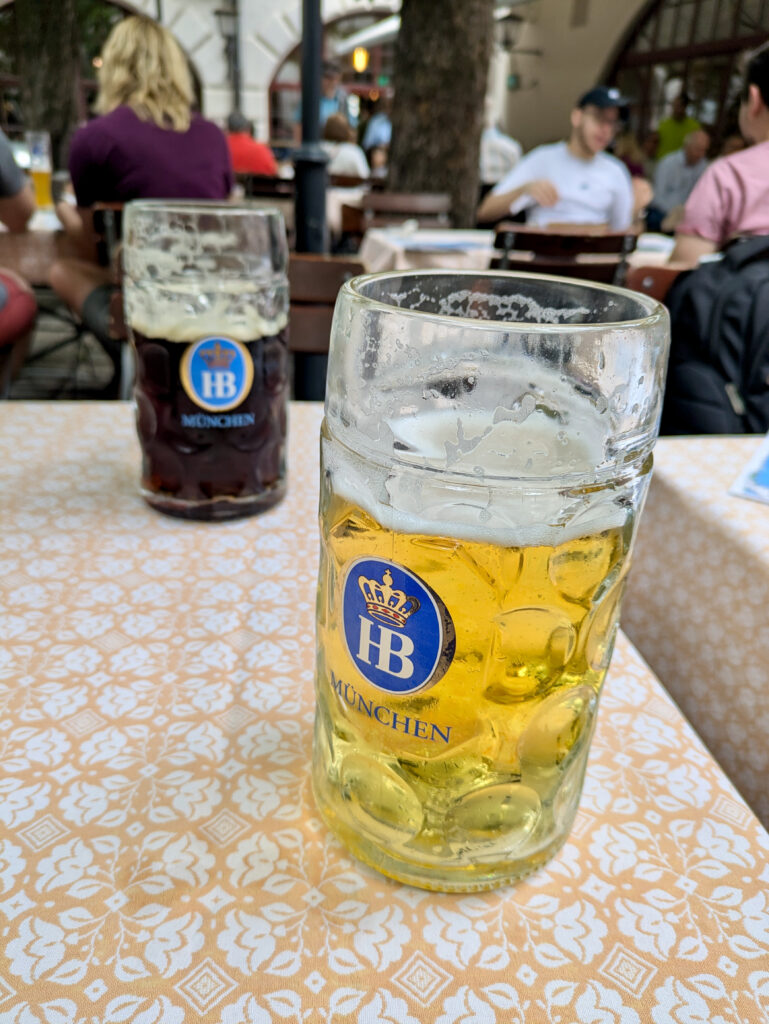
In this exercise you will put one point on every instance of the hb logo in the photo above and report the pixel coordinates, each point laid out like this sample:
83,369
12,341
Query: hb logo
217,373
398,631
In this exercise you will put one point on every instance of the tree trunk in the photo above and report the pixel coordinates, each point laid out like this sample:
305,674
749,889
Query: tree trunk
441,66
47,63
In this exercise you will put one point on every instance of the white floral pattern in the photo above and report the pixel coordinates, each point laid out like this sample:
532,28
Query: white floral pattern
702,627
161,858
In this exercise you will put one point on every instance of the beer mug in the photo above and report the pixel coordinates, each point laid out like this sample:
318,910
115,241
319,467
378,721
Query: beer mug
206,303
39,146
486,450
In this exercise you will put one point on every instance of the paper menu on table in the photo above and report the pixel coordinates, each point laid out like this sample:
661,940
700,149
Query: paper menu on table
753,481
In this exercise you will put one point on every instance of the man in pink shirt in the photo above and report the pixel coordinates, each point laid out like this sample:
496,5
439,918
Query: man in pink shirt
732,196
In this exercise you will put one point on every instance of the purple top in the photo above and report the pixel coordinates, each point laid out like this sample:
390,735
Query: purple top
119,157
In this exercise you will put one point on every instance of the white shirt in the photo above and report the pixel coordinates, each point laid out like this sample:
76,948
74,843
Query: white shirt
346,158
674,179
499,154
593,191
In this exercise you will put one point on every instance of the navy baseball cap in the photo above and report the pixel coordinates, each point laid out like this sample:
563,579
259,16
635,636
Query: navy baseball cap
603,96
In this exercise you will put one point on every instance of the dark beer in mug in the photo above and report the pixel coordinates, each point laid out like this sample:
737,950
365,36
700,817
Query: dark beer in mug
206,300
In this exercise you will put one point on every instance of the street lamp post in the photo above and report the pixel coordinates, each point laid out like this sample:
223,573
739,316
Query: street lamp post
310,159
228,20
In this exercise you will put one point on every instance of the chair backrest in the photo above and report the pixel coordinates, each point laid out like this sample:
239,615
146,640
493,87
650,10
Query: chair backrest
652,280
314,282
265,185
378,209
108,230
582,251
348,181
406,204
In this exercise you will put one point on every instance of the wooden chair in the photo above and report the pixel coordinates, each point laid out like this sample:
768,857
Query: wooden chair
314,282
108,232
593,255
348,181
262,185
384,209
652,280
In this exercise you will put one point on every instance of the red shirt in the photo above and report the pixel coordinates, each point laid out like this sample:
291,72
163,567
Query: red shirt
250,156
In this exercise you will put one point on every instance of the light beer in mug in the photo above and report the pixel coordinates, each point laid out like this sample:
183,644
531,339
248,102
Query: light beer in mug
40,169
41,182
476,534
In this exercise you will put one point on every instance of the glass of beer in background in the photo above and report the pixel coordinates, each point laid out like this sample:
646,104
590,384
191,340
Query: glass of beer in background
206,302
486,450
40,168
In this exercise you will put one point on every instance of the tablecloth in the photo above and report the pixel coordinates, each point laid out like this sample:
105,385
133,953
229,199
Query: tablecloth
161,859
399,249
697,602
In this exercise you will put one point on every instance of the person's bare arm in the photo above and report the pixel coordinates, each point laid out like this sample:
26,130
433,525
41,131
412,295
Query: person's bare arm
642,196
689,249
78,227
497,207
15,211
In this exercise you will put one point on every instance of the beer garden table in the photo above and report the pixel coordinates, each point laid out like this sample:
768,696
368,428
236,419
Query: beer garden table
698,600
30,253
400,249
161,859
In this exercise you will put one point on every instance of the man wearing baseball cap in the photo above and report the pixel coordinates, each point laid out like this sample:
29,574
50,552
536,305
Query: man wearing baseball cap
572,182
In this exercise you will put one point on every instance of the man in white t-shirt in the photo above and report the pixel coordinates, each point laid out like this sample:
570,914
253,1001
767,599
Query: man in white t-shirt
572,182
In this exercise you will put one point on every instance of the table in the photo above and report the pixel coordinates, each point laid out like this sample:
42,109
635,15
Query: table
400,249
161,859
31,253
697,602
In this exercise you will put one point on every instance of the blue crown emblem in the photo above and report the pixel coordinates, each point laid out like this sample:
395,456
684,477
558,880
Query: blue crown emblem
385,603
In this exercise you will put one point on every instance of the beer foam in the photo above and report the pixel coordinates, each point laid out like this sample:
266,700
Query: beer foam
507,494
182,284
185,313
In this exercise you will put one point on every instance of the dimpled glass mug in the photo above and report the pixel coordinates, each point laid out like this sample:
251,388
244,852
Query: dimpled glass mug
486,450
206,302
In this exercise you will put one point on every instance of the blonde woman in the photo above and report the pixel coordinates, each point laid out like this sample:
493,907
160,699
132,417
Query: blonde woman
146,144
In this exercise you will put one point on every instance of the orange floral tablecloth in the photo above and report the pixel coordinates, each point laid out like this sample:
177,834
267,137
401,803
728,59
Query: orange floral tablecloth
697,604
161,860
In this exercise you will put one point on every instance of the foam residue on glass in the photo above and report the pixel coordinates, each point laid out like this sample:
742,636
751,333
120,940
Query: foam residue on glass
561,364
186,311
515,308
183,284
488,398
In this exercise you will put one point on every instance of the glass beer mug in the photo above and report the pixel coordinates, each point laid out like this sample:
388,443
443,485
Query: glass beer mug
206,303
39,146
486,450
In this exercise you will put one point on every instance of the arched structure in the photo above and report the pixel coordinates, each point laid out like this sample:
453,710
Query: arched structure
694,45
285,86
269,31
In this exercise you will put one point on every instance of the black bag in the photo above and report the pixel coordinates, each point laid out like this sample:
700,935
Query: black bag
718,375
